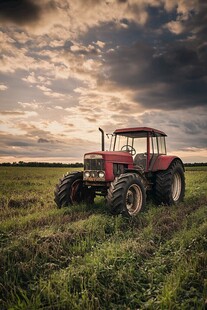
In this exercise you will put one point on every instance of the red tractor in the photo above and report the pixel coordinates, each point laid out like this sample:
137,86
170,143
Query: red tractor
135,165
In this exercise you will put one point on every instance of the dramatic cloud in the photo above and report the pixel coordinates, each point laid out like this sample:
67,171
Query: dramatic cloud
3,87
68,67
171,74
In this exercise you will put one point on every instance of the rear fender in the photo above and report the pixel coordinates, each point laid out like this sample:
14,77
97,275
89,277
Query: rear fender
164,161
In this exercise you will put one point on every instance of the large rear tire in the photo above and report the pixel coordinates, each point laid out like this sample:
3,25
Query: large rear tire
126,195
70,190
170,184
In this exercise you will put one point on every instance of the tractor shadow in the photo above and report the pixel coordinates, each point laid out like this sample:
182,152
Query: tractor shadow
98,207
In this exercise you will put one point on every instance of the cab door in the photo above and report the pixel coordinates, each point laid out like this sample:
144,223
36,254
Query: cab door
157,147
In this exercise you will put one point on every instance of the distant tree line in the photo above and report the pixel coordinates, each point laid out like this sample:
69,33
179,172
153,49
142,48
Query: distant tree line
72,165
195,164
41,164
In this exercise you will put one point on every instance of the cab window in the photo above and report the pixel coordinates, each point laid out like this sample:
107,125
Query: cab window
161,145
154,145
157,145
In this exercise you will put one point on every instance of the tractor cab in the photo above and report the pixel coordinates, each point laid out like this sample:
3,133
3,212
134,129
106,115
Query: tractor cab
143,143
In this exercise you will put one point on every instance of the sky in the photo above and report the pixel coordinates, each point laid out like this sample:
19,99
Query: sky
70,67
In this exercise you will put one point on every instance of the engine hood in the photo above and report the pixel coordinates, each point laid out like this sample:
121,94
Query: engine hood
115,157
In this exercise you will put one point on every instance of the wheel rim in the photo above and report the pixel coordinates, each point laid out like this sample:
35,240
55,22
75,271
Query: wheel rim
176,187
75,191
134,199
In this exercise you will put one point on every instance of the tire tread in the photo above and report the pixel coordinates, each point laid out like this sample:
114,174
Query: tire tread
164,181
117,191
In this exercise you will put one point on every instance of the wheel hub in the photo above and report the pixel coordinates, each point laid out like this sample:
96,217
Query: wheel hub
133,199
130,198
75,192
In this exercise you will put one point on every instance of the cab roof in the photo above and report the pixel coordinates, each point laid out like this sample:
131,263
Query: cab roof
140,130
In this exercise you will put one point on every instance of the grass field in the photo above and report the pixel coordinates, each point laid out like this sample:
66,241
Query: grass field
84,258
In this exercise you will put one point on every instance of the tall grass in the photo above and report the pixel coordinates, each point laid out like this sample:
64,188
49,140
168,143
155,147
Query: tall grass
84,258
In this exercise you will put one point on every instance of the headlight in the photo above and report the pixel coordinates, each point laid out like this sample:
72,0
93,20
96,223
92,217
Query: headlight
101,174
86,174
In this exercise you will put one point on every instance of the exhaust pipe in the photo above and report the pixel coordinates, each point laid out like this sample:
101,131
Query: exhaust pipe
102,139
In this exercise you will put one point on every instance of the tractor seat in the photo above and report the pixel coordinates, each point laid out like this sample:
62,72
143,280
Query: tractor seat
140,160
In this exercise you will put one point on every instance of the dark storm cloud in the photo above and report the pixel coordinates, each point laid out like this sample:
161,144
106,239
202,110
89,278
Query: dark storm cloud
22,12
19,11
168,71
173,79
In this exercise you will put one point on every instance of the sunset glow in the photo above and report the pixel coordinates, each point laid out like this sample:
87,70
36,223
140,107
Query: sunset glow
70,67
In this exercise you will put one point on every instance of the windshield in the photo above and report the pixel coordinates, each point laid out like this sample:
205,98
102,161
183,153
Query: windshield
127,144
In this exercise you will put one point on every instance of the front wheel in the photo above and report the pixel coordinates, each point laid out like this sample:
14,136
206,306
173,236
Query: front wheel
70,190
126,195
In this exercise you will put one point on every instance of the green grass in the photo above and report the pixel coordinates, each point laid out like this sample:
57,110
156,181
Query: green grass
84,258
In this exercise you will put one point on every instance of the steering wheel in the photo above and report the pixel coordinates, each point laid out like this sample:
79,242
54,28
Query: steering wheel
128,148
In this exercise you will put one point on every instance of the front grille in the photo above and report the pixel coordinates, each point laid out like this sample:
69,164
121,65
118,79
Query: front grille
93,164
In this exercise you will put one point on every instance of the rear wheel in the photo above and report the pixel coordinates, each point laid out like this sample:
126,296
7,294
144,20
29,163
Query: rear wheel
70,190
170,184
126,195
